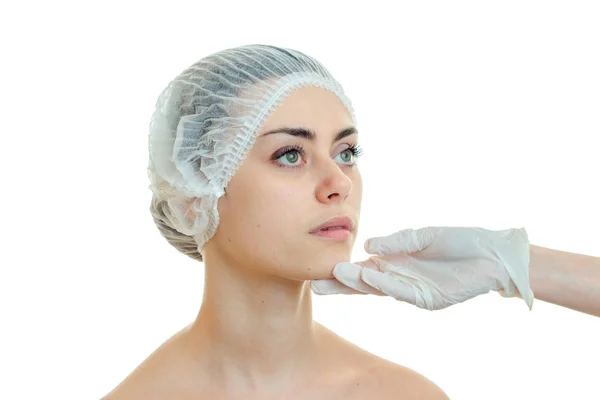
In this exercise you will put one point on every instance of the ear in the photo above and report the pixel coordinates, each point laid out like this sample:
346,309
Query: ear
189,211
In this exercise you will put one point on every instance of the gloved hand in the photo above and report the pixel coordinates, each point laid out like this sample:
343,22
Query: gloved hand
436,267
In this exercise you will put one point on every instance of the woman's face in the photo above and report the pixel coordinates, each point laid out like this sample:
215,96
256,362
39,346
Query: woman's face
281,193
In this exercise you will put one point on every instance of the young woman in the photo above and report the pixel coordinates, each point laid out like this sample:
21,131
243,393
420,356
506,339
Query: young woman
254,173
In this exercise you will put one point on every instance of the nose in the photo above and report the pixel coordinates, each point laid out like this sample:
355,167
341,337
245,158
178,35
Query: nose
334,185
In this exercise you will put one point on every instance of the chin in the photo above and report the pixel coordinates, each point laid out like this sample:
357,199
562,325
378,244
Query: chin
326,262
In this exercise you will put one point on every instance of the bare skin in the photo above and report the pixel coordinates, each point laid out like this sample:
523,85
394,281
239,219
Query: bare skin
254,336
345,372
566,279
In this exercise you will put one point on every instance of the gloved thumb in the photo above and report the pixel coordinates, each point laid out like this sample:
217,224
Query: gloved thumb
401,242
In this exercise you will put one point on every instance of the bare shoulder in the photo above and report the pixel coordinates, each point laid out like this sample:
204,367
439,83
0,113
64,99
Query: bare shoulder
376,377
397,381
151,379
138,384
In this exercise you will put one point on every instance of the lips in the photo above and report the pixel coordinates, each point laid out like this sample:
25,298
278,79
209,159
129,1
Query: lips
342,222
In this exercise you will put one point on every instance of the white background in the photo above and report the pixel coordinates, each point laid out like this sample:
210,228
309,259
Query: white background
470,114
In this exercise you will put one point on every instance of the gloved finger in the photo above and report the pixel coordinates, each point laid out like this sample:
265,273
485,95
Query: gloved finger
387,283
331,286
404,241
334,286
350,275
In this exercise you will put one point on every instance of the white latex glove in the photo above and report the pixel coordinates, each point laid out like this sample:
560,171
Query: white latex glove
436,267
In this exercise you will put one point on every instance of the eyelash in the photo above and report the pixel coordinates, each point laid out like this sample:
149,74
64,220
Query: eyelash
355,149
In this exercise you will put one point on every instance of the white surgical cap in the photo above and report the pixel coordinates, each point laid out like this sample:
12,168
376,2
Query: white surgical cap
205,123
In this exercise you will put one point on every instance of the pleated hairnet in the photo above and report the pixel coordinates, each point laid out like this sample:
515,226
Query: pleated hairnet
205,123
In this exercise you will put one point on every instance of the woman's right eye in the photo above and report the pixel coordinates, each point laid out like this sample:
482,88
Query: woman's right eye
294,156
288,157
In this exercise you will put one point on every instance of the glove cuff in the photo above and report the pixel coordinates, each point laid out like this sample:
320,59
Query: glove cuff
513,250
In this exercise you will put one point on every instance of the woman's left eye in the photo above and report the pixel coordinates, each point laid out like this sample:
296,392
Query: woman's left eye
347,155
351,154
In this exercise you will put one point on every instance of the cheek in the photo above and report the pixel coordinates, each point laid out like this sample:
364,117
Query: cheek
281,210
357,190
269,227
267,213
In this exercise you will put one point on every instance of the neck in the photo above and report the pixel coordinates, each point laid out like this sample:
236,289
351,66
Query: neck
254,330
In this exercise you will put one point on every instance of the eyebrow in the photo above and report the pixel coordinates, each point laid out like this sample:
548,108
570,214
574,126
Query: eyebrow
310,134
